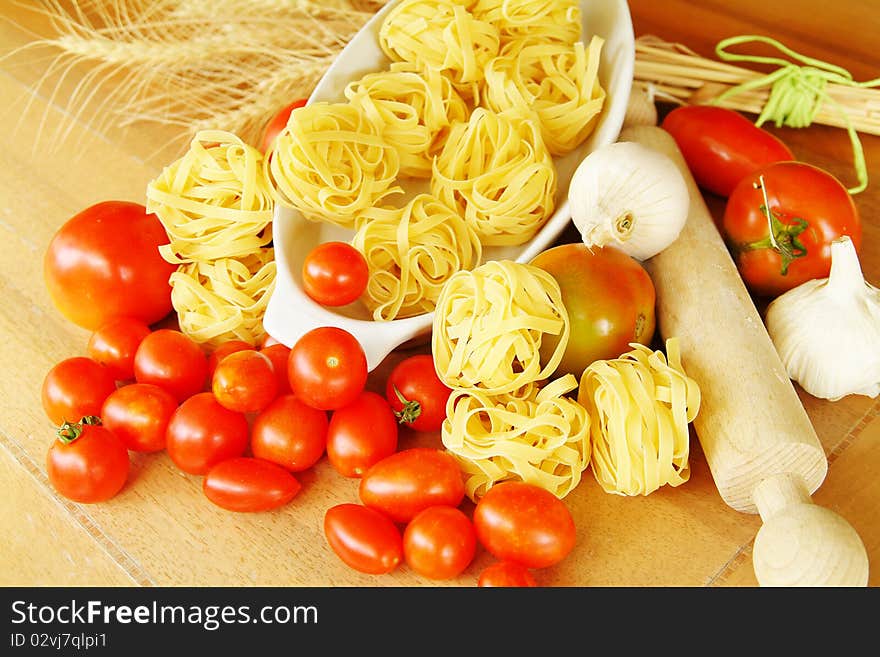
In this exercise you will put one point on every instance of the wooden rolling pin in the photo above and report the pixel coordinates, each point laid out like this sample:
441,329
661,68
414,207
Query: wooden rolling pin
759,442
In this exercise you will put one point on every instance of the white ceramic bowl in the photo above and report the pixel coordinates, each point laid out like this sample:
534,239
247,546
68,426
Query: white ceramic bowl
291,313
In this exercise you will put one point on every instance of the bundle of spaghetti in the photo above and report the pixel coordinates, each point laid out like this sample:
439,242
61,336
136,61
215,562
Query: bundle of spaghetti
555,82
330,162
489,323
224,299
414,108
411,253
214,201
640,405
541,20
496,171
543,439
441,35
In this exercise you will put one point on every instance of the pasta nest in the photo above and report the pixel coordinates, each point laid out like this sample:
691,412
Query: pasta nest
556,82
495,170
330,163
411,253
214,201
489,323
546,20
441,35
414,109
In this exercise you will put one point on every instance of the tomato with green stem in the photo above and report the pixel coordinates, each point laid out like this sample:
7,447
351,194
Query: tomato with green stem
416,393
74,388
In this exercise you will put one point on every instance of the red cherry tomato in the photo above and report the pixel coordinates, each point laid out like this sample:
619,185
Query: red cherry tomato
721,146
411,480
201,433
245,381
439,542
363,538
104,262
327,368
524,523
247,484
114,343
277,124
335,274
87,463
279,354
810,209
361,434
173,361
506,573
222,351
138,414
74,388
290,433
417,394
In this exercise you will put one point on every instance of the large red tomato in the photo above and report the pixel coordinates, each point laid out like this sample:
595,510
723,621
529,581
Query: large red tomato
87,463
105,262
609,298
809,209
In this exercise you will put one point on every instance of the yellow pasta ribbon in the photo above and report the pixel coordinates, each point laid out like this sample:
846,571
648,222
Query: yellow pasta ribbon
640,405
538,20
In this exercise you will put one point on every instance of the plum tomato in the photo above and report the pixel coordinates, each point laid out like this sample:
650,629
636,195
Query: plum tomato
249,485
507,574
439,542
138,414
173,361
361,434
222,351
201,433
279,354
327,368
87,463
525,523
245,381
335,274
363,538
411,480
290,433
114,344
277,123
74,388
609,298
416,394
104,262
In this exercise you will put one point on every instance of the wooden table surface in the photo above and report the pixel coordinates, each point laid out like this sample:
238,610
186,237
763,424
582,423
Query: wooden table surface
161,530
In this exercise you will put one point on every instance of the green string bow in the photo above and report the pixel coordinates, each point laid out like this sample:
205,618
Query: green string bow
797,92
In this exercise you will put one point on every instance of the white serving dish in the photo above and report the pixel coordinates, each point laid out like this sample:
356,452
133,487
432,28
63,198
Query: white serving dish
291,313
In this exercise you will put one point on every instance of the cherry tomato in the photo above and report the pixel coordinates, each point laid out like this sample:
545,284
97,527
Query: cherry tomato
361,434
439,542
245,381
327,368
114,343
173,361
417,394
525,523
721,146
290,433
138,414
610,300
279,354
335,274
201,433
247,484
411,480
363,538
104,262
222,351
74,388
87,463
506,573
277,124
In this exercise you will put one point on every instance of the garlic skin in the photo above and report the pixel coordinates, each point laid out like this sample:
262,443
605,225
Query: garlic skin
827,331
629,196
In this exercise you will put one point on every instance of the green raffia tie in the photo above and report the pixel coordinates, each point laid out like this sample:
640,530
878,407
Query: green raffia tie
797,92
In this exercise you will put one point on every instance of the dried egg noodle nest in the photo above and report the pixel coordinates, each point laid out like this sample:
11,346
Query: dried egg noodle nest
441,35
411,253
224,299
497,172
330,163
545,20
557,82
213,202
489,323
414,109
543,440
640,406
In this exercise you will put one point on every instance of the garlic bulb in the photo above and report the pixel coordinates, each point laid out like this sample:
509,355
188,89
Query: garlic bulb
827,331
629,196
